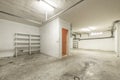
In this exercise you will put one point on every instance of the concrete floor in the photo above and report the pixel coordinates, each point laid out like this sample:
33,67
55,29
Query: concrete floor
81,65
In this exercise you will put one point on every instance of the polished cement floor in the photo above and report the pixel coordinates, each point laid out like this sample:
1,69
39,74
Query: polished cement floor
80,65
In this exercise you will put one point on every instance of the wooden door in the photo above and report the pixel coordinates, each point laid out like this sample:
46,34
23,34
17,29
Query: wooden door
64,41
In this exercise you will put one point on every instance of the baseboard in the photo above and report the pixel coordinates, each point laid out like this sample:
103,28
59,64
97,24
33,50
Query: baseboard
49,55
6,53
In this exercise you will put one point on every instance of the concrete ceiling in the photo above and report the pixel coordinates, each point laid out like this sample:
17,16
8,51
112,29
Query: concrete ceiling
30,11
97,13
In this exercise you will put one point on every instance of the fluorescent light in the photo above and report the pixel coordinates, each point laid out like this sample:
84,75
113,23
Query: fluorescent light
85,29
51,3
92,28
88,29
45,6
96,33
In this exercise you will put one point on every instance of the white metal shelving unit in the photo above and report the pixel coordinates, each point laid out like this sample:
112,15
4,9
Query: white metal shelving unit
26,43
35,43
75,44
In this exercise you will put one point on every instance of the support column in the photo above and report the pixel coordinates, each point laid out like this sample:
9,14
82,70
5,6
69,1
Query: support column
117,39
46,15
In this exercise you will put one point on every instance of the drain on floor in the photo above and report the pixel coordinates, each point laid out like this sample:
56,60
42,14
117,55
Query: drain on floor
76,78
10,62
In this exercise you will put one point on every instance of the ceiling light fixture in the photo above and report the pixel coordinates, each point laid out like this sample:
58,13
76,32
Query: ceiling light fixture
92,28
88,29
45,6
85,29
96,33
51,3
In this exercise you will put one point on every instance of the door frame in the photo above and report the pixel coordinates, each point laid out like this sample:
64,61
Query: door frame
60,45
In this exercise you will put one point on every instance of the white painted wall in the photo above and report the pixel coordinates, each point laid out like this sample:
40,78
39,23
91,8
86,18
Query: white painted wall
99,44
117,38
51,37
66,25
7,31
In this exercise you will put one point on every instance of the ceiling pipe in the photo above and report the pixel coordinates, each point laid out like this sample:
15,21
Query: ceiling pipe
111,36
3,12
113,27
96,38
112,32
92,38
61,12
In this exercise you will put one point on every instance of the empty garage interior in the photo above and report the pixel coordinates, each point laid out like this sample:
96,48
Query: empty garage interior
59,39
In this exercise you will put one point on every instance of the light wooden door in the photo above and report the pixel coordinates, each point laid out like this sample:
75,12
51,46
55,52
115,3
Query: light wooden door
64,41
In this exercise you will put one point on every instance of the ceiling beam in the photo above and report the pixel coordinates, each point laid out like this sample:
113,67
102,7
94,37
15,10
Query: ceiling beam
48,4
61,12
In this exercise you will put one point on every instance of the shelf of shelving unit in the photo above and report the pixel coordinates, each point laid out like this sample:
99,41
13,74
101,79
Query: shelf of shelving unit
75,44
26,43
35,43
22,39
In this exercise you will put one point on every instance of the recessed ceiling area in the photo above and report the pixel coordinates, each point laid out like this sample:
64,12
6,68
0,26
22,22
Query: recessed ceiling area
32,12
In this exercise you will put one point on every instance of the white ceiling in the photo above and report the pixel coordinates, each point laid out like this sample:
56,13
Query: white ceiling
98,13
30,11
